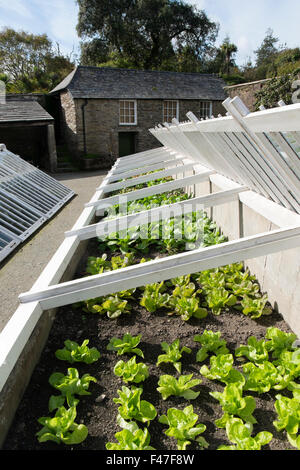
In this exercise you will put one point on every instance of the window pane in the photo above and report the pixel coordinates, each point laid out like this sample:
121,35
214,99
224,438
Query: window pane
170,110
127,112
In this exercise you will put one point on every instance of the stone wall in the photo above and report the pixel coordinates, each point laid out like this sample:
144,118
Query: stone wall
100,133
246,91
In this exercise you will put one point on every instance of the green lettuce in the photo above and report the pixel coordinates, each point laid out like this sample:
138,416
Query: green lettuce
130,371
70,385
126,345
221,369
173,354
62,428
234,404
132,407
72,352
240,434
210,342
183,427
181,387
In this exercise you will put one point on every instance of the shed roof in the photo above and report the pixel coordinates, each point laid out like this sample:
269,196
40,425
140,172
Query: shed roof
23,111
113,83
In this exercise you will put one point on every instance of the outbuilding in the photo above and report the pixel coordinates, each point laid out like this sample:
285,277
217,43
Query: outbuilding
106,113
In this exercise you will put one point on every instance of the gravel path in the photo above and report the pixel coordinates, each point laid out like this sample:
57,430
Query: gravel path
19,271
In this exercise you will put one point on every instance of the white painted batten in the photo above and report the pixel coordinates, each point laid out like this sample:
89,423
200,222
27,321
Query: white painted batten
166,268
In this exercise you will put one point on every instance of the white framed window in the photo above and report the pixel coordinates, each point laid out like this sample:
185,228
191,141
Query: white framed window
170,110
128,112
205,109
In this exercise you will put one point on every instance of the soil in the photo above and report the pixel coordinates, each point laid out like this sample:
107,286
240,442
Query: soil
98,411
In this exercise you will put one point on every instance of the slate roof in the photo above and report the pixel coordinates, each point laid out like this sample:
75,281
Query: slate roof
113,83
23,111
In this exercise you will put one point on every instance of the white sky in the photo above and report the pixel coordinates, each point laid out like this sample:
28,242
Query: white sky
246,22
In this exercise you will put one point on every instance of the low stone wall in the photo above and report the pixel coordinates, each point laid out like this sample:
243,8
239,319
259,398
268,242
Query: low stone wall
246,91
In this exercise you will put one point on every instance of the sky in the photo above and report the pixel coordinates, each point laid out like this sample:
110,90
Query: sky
245,22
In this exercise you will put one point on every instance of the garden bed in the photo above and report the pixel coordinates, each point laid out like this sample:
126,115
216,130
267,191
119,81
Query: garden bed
98,411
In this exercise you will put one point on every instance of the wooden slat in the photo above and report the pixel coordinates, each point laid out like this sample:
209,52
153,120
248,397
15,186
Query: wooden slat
146,178
152,215
166,268
151,190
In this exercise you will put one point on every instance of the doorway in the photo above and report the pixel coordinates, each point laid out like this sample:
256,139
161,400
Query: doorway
127,143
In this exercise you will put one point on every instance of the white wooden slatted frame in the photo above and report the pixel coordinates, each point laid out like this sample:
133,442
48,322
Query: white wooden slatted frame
48,292
28,197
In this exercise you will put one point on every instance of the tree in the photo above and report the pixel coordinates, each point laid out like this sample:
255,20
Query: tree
225,56
31,62
145,34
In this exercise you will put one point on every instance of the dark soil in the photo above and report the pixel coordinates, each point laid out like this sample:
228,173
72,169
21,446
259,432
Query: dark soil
98,411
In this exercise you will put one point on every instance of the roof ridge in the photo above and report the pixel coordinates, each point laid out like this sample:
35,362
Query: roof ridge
146,70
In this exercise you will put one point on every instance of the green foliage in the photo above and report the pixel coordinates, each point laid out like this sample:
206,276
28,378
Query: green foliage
128,34
153,298
262,377
187,307
31,62
173,354
130,371
219,298
221,369
73,352
276,89
70,385
255,307
279,341
234,404
255,350
113,306
132,438
183,427
181,387
240,434
62,428
126,345
211,342
288,414
132,407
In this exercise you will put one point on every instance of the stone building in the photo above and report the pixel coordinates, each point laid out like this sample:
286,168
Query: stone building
107,112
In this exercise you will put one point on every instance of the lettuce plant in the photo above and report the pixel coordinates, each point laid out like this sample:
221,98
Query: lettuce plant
126,345
62,428
187,307
132,407
173,354
181,387
288,414
73,352
288,366
219,298
113,306
221,369
131,371
183,427
240,434
211,342
255,350
255,307
71,384
261,377
96,265
279,341
234,404
131,439
153,298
